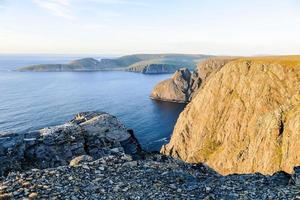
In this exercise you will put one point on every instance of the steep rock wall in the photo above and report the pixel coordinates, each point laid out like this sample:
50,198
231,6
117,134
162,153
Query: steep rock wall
245,119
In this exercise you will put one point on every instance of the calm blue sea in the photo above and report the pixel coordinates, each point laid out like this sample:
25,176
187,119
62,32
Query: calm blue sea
29,101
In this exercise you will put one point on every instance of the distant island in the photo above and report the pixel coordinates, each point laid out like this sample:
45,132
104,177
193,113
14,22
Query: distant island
141,63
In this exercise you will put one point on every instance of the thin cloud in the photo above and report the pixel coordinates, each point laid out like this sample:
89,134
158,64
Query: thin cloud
60,8
62,2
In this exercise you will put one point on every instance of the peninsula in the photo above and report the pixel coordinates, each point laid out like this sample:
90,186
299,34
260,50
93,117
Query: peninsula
142,63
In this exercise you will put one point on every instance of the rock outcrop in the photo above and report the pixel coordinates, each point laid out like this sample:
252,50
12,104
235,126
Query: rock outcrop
178,88
183,85
154,177
245,118
90,133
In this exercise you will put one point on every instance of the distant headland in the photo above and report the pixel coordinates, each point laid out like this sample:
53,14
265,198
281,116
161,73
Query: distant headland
141,63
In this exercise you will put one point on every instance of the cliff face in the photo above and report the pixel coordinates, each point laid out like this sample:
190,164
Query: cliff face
154,68
246,118
177,88
204,70
211,66
181,88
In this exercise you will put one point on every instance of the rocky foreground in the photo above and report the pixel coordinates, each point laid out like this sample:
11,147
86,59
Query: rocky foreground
118,176
94,156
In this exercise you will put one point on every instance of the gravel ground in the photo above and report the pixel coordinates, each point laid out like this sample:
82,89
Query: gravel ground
153,177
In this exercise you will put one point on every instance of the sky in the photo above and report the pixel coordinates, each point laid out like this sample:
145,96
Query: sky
118,27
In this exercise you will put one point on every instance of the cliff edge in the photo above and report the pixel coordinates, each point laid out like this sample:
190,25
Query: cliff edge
245,119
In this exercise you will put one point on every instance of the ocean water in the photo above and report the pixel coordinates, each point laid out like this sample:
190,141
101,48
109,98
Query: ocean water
29,101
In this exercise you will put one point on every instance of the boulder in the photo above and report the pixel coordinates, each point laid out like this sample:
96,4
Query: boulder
80,159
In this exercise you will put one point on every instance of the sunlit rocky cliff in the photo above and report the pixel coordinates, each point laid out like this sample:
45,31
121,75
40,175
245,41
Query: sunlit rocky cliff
244,119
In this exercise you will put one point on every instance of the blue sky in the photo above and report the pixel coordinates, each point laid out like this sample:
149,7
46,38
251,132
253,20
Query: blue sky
231,27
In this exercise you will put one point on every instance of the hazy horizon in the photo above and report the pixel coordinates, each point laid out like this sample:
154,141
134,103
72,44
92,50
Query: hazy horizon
122,27
93,55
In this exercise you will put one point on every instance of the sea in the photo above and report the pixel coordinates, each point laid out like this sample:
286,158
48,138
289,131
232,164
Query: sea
34,100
